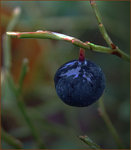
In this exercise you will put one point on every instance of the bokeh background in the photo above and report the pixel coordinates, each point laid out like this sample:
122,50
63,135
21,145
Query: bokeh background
60,124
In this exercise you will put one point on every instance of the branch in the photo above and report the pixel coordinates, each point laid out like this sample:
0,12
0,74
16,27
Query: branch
115,49
109,124
89,142
7,40
17,92
21,104
74,41
100,24
11,140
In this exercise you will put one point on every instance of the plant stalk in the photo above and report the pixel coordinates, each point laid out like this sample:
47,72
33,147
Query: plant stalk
109,124
74,41
15,90
115,50
100,24
11,140
22,107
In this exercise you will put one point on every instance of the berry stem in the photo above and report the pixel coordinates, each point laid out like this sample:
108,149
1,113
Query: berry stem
82,54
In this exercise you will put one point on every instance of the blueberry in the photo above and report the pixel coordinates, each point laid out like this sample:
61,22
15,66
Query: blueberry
79,83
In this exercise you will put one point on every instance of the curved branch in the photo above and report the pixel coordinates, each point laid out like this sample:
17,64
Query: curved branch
115,49
58,36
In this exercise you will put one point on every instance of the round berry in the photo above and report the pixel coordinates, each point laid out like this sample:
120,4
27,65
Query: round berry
79,83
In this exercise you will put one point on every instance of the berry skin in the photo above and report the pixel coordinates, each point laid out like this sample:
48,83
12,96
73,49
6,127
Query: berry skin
79,83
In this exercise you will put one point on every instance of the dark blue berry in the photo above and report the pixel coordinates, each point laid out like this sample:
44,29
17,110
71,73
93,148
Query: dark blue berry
79,83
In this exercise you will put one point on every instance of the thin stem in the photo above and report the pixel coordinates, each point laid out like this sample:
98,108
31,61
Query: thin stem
6,52
82,54
89,142
17,92
109,124
11,140
33,129
22,107
14,20
118,52
7,40
115,50
100,24
24,70
74,41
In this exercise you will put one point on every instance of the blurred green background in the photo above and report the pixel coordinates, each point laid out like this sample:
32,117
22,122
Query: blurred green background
60,124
